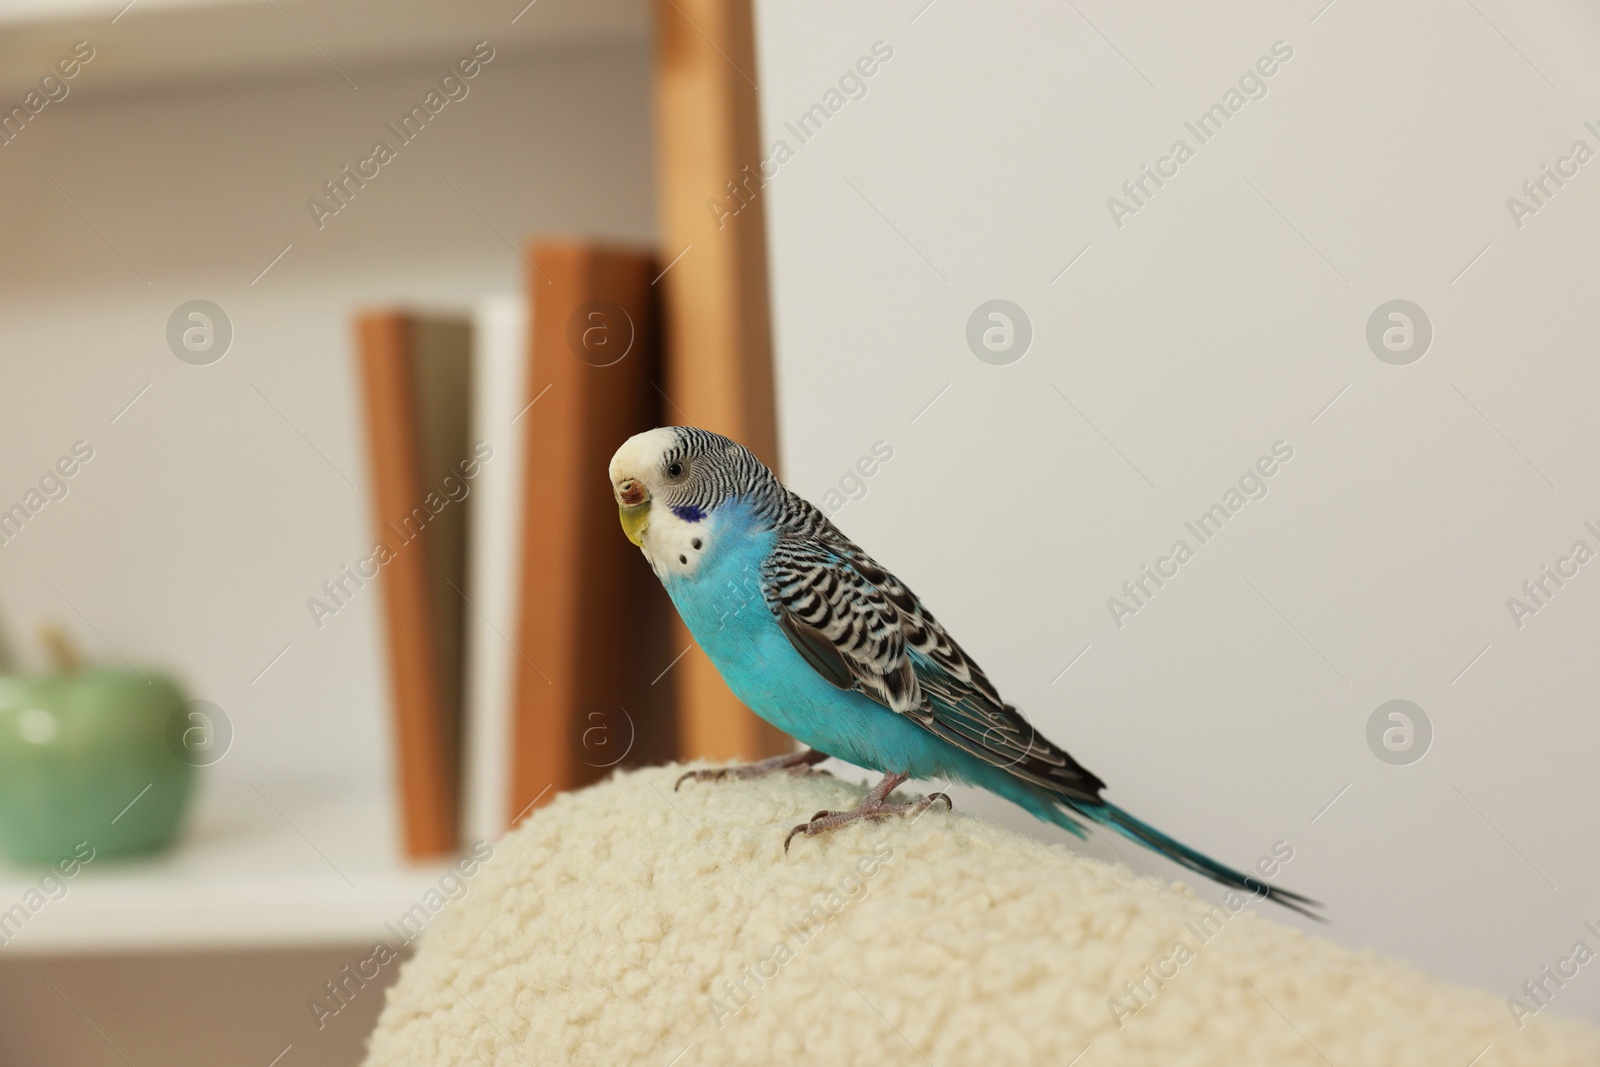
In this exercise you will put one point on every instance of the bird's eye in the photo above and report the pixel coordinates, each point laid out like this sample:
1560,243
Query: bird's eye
675,470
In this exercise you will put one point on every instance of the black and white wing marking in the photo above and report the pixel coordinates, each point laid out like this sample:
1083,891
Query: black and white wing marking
860,628
841,622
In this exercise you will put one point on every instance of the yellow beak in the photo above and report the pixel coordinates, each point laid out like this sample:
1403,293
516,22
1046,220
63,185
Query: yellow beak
635,520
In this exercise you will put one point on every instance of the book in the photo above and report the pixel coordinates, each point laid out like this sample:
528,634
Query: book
717,350
416,379
594,635
499,404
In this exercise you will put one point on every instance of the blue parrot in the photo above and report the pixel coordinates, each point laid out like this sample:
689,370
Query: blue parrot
828,646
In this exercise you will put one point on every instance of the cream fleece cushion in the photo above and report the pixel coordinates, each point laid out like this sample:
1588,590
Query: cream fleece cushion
628,924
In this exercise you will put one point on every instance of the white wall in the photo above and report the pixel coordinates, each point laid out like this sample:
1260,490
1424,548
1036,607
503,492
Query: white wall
221,500
1221,318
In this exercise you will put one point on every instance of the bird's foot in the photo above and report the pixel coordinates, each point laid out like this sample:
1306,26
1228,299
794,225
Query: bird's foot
800,763
874,806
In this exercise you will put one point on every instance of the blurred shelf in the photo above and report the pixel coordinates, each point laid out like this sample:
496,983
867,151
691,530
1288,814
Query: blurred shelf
314,865
155,44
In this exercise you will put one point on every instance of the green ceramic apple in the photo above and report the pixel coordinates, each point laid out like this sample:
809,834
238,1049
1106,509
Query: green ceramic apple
88,755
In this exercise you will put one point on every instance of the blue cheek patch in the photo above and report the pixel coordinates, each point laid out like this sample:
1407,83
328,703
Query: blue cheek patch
689,513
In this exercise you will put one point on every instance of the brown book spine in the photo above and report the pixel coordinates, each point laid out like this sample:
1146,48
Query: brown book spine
594,631
424,740
718,345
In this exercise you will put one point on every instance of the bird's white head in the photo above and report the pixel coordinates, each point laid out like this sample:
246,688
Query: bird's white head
669,484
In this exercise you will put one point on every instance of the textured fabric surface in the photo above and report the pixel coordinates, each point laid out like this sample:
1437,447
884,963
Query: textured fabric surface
628,924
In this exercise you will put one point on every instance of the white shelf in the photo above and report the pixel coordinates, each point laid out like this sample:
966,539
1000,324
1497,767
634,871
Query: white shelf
317,869
156,44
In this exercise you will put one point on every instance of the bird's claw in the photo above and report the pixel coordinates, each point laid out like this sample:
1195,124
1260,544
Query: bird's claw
702,775
797,763
872,809
805,827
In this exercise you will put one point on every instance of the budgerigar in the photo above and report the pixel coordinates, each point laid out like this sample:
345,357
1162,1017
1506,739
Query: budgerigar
828,646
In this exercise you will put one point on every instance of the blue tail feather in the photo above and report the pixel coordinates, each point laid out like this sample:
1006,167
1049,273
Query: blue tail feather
1142,833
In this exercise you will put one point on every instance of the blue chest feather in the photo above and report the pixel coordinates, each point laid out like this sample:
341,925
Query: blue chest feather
726,610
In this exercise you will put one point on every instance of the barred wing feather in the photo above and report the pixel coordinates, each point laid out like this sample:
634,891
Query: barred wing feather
860,628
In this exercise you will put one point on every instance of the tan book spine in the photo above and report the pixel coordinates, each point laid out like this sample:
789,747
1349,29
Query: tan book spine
718,345
594,633
424,735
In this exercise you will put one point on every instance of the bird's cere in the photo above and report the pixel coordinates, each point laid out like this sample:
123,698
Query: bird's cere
631,492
